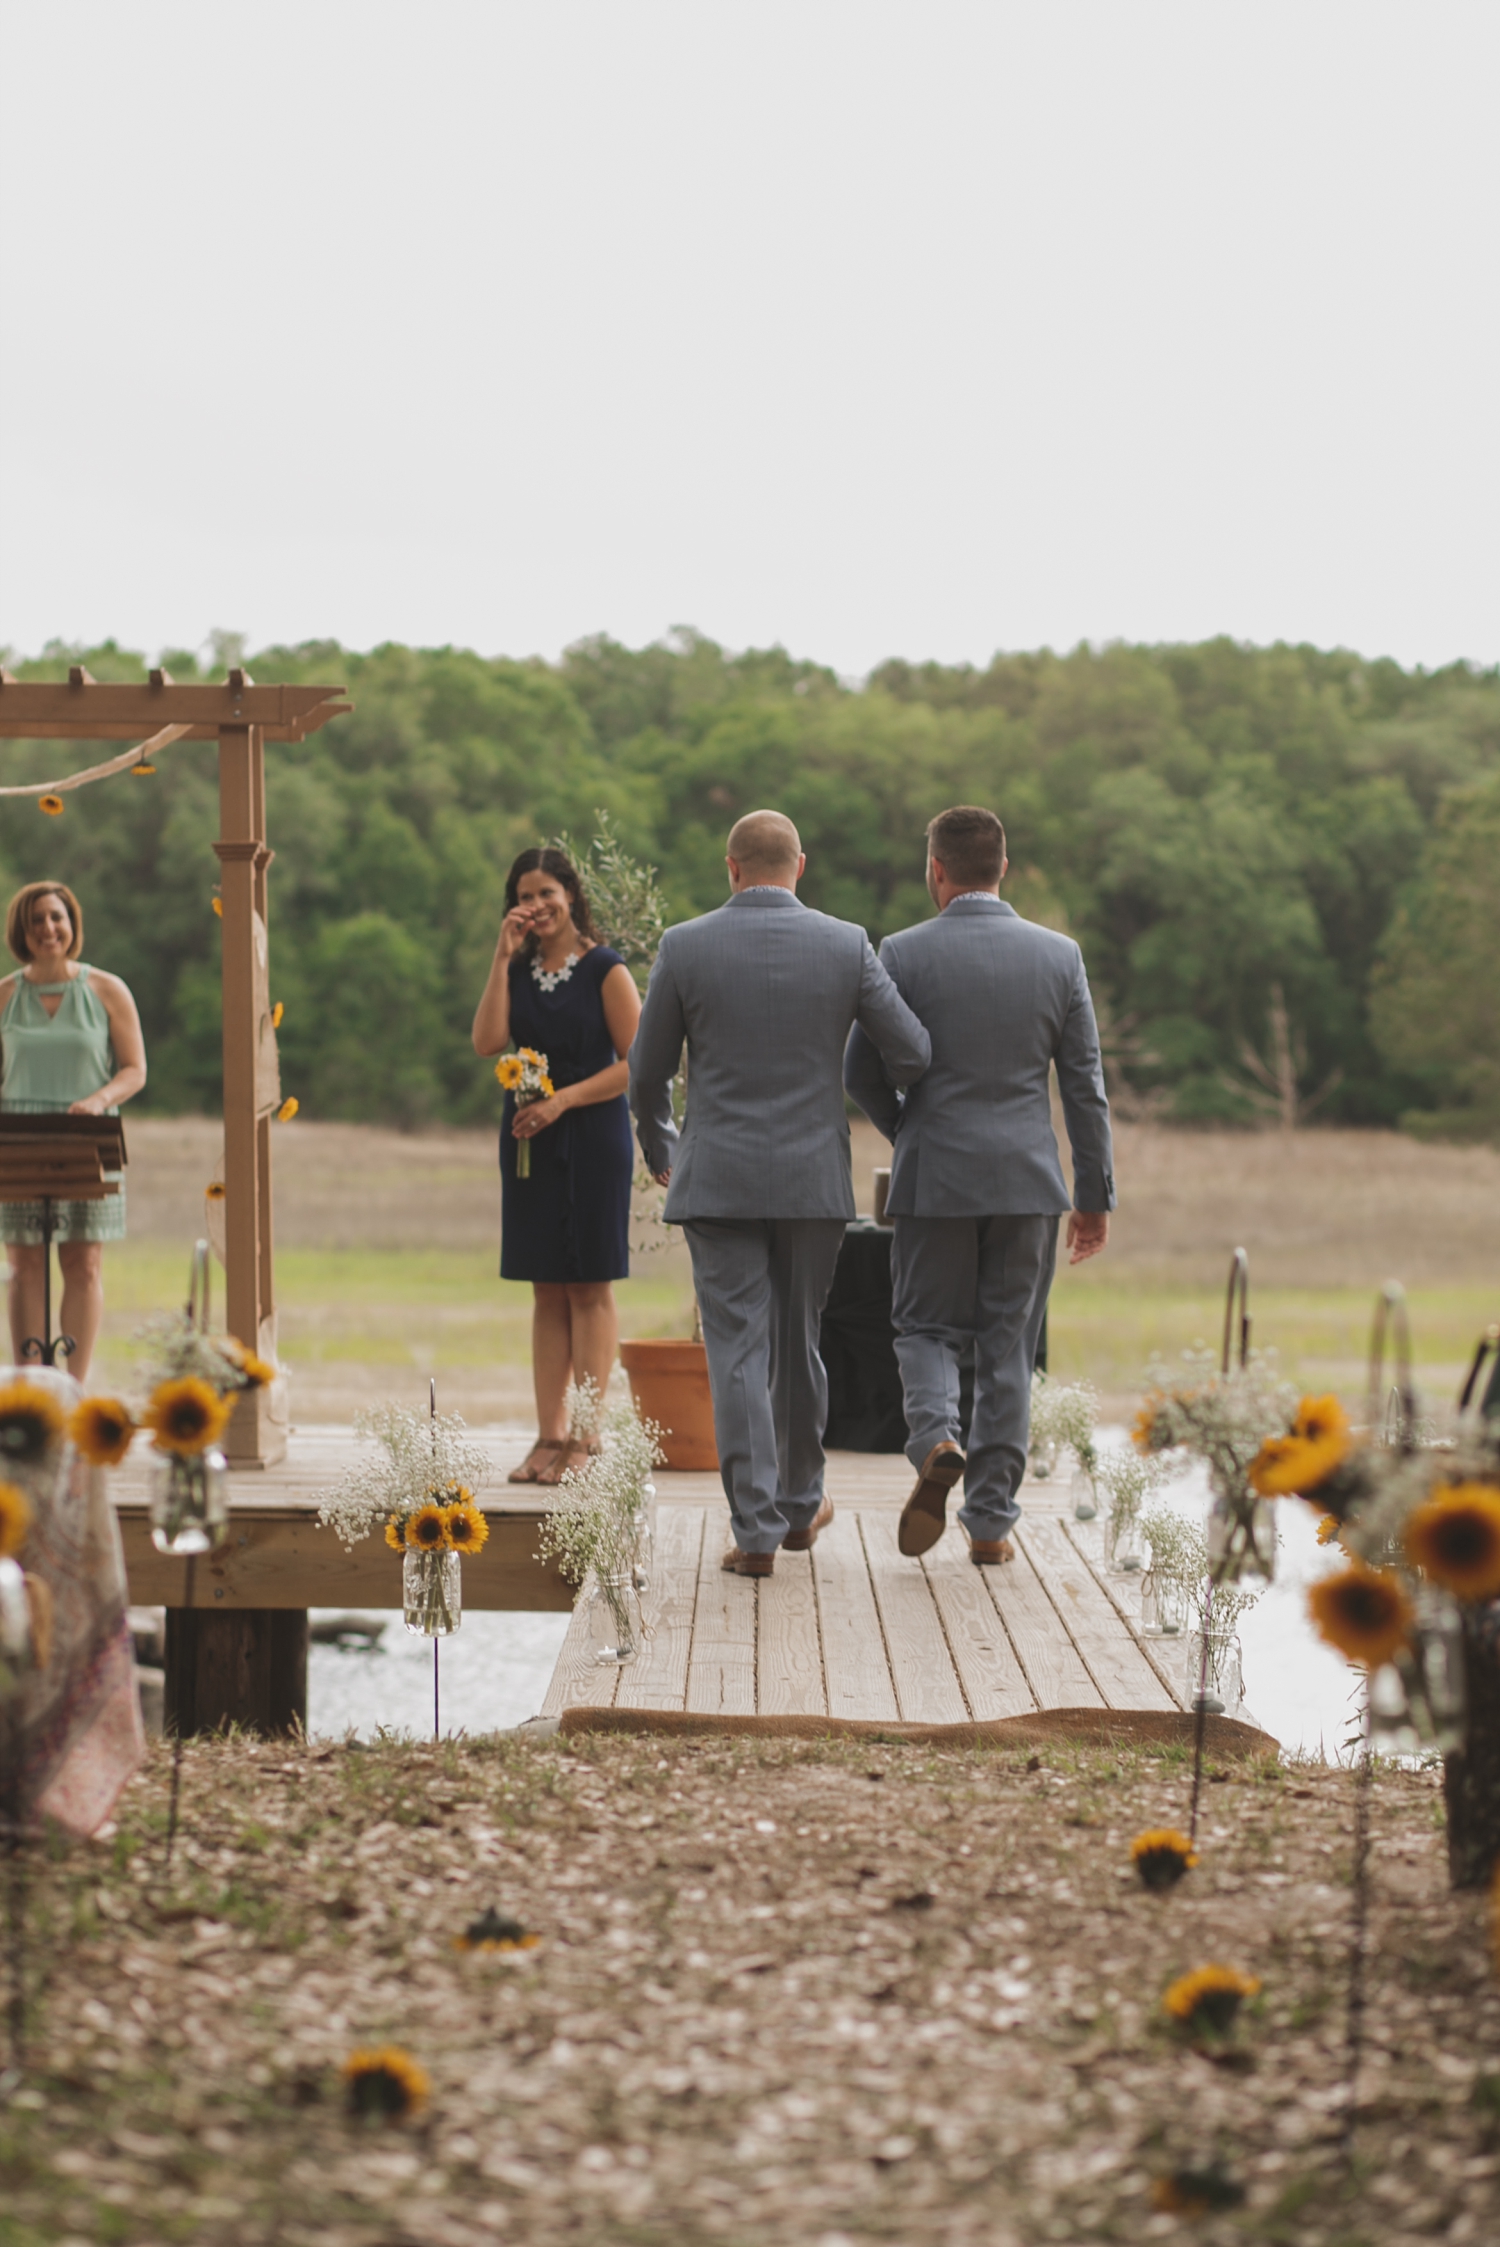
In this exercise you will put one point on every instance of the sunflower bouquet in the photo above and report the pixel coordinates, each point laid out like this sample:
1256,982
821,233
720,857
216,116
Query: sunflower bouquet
194,1379
1224,1419
527,1074
419,1485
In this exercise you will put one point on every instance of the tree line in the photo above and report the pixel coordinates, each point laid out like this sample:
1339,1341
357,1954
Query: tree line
1279,861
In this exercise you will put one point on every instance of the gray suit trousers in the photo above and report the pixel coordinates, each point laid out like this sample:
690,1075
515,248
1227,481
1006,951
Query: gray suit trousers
985,1281
762,1284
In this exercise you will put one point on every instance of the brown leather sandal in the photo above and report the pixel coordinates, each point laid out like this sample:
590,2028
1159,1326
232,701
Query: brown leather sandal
568,1455
530,1469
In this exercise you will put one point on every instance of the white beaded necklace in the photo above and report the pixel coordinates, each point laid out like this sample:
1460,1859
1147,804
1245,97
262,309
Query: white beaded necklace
546,981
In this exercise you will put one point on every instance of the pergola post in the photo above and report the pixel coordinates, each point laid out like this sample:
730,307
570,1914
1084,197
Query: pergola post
252,1082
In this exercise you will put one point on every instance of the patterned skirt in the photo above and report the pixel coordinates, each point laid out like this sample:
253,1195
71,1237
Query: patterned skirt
71,1221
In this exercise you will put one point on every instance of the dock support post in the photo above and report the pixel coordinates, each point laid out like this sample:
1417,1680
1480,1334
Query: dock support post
247,1666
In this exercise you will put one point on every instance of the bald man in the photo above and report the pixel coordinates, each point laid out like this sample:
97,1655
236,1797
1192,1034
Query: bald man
763,993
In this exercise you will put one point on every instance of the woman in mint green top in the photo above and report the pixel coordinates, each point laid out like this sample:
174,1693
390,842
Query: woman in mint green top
70,1043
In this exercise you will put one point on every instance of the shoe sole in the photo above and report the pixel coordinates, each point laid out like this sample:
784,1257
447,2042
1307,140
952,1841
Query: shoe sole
920,1527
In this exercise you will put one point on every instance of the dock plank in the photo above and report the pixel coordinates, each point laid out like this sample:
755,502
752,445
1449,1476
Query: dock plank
1115,1657
928,1689
659,1679
994,1680
578,1682
1054,1667
721,1662
789,1661
854,1654
1124,1596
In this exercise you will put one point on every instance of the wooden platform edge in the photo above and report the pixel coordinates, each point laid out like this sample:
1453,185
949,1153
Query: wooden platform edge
1105,1728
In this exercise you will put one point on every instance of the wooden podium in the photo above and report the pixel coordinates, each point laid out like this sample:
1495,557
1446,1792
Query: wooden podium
52,1159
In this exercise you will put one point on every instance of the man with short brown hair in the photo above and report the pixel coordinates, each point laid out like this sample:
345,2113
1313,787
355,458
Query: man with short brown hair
976,1187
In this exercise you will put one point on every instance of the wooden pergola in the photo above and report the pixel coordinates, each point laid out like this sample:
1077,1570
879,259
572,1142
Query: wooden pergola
242,718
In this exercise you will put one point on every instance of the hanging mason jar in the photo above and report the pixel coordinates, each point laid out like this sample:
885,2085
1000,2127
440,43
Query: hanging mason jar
1417,1700
1171,1607
615,1627
432,1603
189,1500
1150,1627
1217,1685
1085,1497
1242,1540
1124,1550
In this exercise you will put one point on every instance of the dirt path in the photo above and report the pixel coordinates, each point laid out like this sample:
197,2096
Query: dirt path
834,1994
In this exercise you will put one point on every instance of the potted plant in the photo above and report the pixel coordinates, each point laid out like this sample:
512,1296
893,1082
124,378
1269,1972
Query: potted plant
668,1377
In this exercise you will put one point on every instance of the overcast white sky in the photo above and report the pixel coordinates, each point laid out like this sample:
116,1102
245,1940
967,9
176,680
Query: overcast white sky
874,327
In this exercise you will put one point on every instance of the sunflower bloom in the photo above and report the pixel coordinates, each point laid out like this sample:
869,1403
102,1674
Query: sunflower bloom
15,1520
509,1070
219,907
496,1931
468,1531
102,1428
529,1053
1362,1611
1454,1538
186,1416
385,2084
1290,1466
31,1423
51,805
1328,1529
427,1530
288,1109
215,1190
277,1011
1207,2001
1143,1427
142,771
1162,1856
394,1536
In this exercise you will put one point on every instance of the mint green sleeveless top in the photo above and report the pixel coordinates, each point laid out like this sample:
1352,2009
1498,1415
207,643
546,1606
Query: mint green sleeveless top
53,1060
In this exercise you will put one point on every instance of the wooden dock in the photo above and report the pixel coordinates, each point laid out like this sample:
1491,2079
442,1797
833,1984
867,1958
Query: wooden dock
852,1629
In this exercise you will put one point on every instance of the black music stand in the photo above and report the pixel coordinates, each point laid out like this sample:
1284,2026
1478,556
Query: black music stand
51,1159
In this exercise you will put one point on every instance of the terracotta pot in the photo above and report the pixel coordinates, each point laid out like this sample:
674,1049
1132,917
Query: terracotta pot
669,1382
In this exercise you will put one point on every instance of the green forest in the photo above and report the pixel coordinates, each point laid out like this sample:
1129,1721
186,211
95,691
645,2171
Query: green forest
1280,862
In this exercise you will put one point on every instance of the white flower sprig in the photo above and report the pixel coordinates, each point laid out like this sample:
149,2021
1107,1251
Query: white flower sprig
597,1521
1066,1412
418,1453
1220,1418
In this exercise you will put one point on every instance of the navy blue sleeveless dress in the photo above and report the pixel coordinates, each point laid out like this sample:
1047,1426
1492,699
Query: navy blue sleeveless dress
570,1220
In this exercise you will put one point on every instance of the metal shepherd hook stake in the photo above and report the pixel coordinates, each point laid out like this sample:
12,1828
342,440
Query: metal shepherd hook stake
432,1412
1236,1343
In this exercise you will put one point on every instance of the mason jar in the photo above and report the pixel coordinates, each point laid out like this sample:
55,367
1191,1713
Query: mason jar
431,1593
189,1500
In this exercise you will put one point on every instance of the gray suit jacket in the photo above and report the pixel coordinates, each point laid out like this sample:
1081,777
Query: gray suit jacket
1002,998
764,991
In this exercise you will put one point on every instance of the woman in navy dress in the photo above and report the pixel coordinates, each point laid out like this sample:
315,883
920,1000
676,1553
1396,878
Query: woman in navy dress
565,1227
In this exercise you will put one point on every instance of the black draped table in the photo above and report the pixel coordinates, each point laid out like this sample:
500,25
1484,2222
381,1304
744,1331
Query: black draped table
858,1347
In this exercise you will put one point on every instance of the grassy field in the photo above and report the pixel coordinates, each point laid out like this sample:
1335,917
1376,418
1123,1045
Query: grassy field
387,1247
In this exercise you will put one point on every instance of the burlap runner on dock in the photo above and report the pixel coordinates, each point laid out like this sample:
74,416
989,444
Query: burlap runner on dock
1223,1735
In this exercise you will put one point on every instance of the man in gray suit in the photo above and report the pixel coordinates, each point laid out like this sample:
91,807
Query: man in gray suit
976,1187
764,992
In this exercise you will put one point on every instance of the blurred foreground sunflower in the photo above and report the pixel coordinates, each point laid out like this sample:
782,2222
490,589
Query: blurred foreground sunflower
102,1428
1454,1538
1207,2001
186,1416
385,2084
31,1423
15,1520
1162,1856
496,1931
1362,1611
1290,1466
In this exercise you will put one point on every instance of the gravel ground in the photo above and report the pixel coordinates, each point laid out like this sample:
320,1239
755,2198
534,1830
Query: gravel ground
835,1992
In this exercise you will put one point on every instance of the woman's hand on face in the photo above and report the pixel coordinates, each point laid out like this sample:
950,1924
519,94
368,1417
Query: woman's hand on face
515,928
536,1115
95,1105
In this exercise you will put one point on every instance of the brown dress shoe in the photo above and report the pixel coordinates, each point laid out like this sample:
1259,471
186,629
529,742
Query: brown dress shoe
747,1564
991,1552
924,1517
803,1540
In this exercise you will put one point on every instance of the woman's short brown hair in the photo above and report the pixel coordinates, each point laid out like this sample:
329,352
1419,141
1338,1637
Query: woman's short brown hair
21,907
